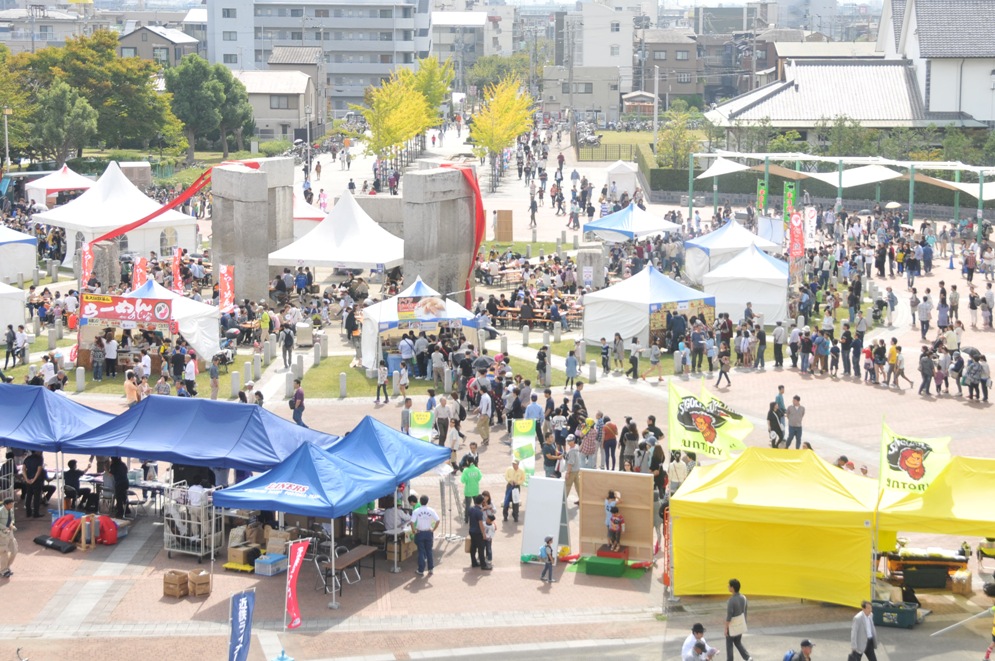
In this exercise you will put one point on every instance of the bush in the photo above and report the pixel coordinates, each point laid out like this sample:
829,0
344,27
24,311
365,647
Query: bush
274,147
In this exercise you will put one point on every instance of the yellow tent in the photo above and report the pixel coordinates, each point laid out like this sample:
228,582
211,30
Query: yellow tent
957,502
784,522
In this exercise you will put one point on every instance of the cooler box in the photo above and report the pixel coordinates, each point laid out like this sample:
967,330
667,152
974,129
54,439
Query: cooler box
305,334
271,564
889,614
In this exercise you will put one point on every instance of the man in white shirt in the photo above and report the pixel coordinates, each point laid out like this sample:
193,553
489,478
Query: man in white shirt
697,633
863,636
484,419
424,521
47,370
71,303
144,365
190,375
110,353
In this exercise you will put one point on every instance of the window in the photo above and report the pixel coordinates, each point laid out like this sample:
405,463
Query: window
160,55
229,35
229,12
230,58
584,88
386,59
565,88
282,102
613,87
297,36
321,13
386,13
683,77
613,50
259,56
386,36
297,13
682,55
145,36
659,55
616,26
127,51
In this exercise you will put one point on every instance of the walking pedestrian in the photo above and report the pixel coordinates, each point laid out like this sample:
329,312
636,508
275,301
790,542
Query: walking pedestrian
548,558
475,519
795,414
298,403
863,635
8,543
724,365
424,521
736,621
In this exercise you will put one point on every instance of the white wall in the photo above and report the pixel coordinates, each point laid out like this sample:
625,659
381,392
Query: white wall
244,27
594,47
973,86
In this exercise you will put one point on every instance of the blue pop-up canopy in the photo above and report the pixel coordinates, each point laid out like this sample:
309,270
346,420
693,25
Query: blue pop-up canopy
629,223
379,448
199,432
36,418
310,482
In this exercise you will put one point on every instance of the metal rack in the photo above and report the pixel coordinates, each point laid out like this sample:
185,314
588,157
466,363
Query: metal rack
195,530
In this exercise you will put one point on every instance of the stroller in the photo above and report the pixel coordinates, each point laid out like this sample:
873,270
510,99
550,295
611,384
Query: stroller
878,312
228,346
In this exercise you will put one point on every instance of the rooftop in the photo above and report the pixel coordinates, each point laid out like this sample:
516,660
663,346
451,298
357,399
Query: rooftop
196,15
829,49
669,36
273,82
295,55
169,34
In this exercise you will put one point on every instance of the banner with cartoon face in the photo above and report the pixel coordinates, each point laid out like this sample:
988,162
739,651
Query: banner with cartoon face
910,464
704,424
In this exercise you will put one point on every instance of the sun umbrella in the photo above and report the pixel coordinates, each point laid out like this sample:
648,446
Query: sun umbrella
893,205
864,212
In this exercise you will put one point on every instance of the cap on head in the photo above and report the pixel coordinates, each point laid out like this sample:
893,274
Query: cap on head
807,643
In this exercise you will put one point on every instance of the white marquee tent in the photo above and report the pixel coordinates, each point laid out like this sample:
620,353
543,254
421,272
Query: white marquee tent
112,202
62,179
199,323
18,254
625,175
306,217
629,223
751,276
346,238
11,306
710,251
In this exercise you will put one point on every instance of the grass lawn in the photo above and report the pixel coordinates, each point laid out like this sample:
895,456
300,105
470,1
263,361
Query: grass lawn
43,280
626,137
41,342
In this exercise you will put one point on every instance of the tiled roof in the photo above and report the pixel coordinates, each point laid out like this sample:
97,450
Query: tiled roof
897,16
955,28
295,55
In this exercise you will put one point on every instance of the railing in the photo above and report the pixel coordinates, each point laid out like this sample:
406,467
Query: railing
606,153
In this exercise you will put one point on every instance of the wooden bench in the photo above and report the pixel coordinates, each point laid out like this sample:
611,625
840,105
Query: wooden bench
351,558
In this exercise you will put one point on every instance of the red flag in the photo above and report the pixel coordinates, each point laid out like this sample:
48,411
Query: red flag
297,552
226,287
177,279
86,264
796,239
139,275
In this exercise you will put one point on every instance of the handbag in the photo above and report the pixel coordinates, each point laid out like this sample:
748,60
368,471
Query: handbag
854,656
516,495
737,625
466,544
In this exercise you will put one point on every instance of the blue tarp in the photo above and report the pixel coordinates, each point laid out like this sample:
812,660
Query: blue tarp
310,482
380,448
199,432
629,223
35,418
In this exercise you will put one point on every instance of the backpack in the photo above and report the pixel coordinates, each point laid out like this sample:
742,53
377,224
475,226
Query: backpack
462,412
789,655
543,552
288,339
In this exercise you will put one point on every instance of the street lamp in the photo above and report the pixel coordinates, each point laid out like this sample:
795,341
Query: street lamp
307,114
6,141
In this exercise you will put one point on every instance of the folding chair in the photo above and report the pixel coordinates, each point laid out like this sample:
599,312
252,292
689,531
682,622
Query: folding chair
136,505
376,535
326,581
339,552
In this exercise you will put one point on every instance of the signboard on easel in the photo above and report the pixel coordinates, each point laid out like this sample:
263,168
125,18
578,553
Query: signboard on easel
546,515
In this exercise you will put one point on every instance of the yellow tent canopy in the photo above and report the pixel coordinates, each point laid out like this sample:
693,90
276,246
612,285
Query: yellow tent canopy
957,502
784,522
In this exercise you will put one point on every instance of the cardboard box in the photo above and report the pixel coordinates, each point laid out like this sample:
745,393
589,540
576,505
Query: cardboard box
175,583
403,552
254,534
297,521
244,554
962,582
199,583
276,545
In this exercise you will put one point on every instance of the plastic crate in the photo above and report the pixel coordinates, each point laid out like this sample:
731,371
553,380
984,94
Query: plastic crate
888,614
271,564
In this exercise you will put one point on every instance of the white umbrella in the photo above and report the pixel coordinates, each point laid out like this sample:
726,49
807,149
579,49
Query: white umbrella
893,205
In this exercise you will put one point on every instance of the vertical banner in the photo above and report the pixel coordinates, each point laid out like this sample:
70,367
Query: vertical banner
523,445
422,423
86,264
139,273
226,288
796,236
910,464
811,220
761,197
177,280
242,606
789,201
297,551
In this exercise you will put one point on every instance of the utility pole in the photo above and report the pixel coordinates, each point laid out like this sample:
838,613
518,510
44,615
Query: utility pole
656,104
570,74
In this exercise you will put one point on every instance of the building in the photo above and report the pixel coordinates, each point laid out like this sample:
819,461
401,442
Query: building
826,50
310,61
597,36
195,25
37,27
679,58
458,36
593,93
164,46
363,41
283,103
734,18
807,14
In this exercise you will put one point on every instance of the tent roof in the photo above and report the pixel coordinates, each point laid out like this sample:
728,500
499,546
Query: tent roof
730,237
790,486
720,167
751,264
60,180
347,237
621,167
310,482
36,418
198,322
8,235
646,287
628,223
385,312
304,211
781,171
199,432
113,201
957,502
380,448
859,176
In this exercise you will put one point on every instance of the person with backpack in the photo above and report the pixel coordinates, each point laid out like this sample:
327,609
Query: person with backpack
804,654
287,345
548,558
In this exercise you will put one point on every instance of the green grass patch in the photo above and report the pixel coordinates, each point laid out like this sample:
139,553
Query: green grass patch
626,137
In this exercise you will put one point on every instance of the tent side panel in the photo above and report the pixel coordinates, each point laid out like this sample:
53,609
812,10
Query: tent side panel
605,318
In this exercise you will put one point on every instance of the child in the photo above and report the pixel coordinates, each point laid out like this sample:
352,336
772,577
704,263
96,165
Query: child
548,560
615,527
382,382
834,354
611,501
605,351
403,380
572,370
869,376
489,529
406,416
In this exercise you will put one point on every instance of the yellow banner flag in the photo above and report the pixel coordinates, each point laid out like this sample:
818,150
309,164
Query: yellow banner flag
910,464
704,425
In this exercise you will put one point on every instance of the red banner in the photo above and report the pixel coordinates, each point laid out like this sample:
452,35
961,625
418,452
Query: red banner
177,280
480,225
226,287
139,273
86,264
297,552
119,308
796,238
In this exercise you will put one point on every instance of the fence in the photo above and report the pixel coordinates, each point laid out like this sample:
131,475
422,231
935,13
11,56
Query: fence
606,153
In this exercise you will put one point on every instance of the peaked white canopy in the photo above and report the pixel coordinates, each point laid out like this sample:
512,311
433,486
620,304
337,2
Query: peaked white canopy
707,252
629,223
867,174
60,180
11,306
346,238
306,217
199,323
720,167
18,254
625,175
754,277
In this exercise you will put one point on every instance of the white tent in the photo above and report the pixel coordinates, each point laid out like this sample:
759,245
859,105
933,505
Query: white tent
754,277
707,252
62,179
422,299
199,323
11,307
306,217
627,308
722,166
625,175
346,238
18,254
771,228
112,202
861,176
629,223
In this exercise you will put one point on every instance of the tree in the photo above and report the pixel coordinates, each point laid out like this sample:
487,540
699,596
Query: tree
197,98
13,95
432,80
65,121
677,139
988,149
505,115
957,146
236,112
843,136
789,141
395,113
491,70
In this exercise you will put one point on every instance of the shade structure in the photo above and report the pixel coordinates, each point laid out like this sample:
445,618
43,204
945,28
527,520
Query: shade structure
11,307
18,254
625,175
720,167
710,251
310,482
198,432
957,502
380,448
199,323
384,316
775,519
112,202
36,418
754,277
306,217
629,223
859,176
62,179
346,238
626,308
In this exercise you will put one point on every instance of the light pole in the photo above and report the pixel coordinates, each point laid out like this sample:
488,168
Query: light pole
656,103
307,115
6,141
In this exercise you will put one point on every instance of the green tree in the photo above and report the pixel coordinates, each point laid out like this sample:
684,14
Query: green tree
677,140
65,122
432,80
505,115
13,95
789,141
957,146
492,69
197,98
236,112
988,149
842,136
395,113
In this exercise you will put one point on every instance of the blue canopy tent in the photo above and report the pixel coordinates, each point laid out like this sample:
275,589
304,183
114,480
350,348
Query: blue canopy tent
199,432
36,418
629,223
374,445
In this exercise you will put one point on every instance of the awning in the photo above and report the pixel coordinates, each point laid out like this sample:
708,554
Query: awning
783,172
722,166
867,174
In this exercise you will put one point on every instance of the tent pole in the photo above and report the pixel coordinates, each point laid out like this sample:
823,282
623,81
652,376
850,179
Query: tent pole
981,206
397,540
839,182
331,604
690,186
766,181
912,193
957,199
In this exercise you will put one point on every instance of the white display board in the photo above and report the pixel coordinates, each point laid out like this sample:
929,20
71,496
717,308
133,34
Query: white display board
545,514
